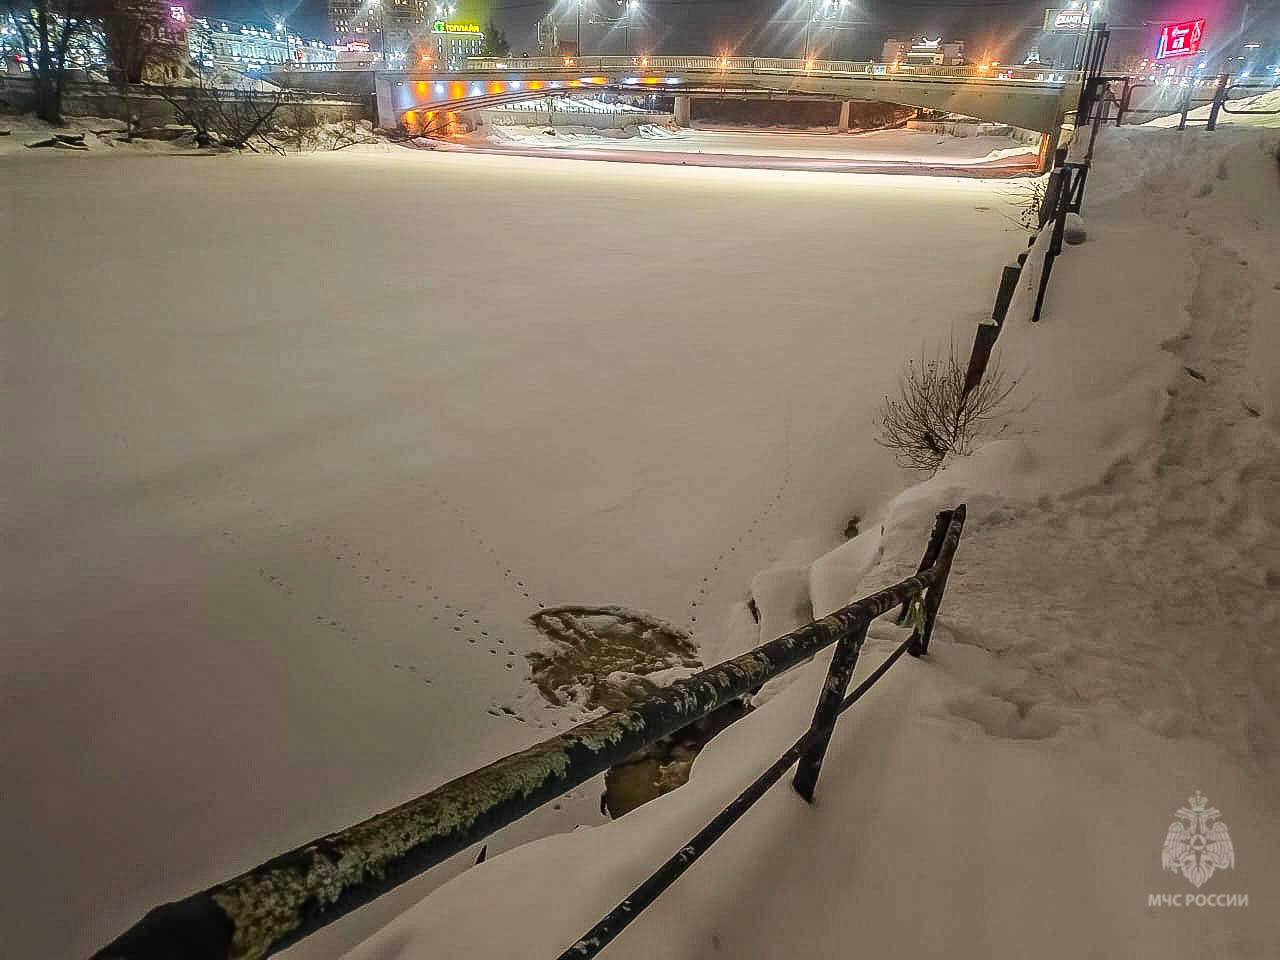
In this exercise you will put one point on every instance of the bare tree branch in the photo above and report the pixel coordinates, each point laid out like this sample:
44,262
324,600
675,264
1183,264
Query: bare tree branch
934,416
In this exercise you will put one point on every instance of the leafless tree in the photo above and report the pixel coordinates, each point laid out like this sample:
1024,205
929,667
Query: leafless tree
47,32
426,123
934,415
348,133
237,116
300,125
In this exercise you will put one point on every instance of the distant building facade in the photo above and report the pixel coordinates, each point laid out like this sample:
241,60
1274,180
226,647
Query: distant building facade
894,51
390,27
454,42
923,52
351,21
248,46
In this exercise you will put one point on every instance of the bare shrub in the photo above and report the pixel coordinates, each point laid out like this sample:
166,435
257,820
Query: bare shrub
349,133
299,125
431,124
236,115
935,415
1028,197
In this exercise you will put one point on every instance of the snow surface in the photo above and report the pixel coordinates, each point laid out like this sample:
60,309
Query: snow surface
1259,103
295,446
571,104
1106,648
883,145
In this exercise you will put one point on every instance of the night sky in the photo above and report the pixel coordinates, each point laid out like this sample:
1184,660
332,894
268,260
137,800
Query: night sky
1002,28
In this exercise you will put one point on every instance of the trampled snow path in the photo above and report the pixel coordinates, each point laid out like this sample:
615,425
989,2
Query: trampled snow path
293,448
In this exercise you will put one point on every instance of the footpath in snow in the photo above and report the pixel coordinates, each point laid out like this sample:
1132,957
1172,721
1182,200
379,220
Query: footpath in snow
1107,648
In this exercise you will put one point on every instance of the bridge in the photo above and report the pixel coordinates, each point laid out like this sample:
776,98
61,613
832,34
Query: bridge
1031,98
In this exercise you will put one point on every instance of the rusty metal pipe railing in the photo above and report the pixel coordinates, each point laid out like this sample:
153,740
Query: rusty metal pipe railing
283,900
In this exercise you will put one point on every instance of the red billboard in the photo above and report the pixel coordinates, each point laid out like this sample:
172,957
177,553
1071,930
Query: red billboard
1180,39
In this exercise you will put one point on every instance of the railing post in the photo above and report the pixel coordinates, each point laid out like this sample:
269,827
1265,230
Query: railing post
940,524
1185,107
1062,208
918,645
988,330
1219,98
824,716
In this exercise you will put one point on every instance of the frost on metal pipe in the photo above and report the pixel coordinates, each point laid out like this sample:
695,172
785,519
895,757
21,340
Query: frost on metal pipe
269,907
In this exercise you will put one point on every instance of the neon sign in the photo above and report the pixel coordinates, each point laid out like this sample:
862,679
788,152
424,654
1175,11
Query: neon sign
440,26
1180,39
1060,21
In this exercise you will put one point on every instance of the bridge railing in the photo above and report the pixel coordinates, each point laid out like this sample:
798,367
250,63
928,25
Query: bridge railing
279,902
798,67
728,66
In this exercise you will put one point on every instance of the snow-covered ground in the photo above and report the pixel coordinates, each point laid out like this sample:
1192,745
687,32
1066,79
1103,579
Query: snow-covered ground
565,105
1264,112
1107,648
295,446
916,146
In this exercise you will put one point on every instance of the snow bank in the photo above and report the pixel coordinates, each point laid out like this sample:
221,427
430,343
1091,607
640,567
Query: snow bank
1106,648
1266,107
567,135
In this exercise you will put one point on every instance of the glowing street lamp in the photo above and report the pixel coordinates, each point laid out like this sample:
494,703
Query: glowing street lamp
820,10
278,23
382,33
630,7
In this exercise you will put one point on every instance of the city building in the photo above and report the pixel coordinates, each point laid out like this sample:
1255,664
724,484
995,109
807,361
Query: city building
894,51
923,52
391,27
454,42
248,46
352,21
402,22
937,53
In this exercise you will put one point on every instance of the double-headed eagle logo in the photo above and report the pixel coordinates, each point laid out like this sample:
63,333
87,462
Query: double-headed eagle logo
1197,843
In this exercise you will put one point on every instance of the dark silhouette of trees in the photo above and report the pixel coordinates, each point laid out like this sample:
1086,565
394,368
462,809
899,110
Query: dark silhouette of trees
47,31
495,41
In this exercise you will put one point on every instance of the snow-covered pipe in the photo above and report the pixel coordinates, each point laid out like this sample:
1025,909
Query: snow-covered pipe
283,900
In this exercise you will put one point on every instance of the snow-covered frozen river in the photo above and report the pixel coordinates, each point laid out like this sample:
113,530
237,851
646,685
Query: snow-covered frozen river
294,447
892,146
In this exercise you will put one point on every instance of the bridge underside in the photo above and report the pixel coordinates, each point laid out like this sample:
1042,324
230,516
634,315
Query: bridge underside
1028,104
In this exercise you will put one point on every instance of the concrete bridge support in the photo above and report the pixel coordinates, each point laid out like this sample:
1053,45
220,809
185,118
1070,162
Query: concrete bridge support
843,126
683,111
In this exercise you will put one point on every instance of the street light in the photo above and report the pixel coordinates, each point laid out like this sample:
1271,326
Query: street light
382,33
826,10
630,6
284,36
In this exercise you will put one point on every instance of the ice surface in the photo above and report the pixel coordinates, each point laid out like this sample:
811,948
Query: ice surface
294,447
1106,648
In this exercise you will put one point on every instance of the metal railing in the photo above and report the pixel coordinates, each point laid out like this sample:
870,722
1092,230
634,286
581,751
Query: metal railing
784,65
283,900
727,66
1064,190
1181,98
